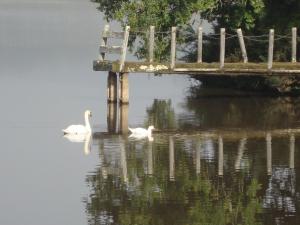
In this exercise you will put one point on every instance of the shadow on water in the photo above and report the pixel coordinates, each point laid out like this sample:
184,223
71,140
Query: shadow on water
212,175
212,109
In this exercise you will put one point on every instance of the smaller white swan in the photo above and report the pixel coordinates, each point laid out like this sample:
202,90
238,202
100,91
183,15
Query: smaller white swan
80,129
141,132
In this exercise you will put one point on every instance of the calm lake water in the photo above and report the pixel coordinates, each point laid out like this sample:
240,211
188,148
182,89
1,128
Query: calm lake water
216,158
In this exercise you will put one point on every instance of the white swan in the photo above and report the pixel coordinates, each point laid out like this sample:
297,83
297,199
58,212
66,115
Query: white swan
80,129
141,132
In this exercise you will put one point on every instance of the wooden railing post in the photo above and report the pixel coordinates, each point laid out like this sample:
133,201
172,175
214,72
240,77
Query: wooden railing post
103,42
124,48
173,47
200,40
294,44
222,47
151,44
242,45
271,49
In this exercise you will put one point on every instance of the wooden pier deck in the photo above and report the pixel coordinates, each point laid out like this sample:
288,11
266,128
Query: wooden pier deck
200,69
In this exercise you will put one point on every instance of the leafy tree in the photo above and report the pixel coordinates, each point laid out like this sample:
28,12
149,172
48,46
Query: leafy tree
255,17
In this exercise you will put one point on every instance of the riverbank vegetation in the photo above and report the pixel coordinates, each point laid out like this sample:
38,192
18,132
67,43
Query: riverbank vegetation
254,17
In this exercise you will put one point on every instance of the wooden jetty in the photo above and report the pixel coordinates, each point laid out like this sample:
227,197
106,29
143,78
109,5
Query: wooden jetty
221,68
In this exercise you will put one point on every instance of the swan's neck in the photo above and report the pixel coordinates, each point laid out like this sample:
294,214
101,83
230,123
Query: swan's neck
149,131
87,122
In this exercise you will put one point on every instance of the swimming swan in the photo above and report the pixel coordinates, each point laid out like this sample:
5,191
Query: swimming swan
80,129
141,132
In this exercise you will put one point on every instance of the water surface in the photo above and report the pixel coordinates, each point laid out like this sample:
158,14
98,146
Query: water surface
216,159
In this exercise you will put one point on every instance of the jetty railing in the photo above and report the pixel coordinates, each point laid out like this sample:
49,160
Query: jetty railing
199,67
102,64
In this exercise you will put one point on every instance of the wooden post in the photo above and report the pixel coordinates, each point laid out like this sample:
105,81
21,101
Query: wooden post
222,47
171,159
271,49
103,42
200,40
123,118
269,153
112,117
112,87
173,47
292,152
221,157
124,48
151,44
124,88
294,44
242,44
198,157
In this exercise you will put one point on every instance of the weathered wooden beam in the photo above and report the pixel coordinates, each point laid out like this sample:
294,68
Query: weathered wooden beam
294,44
242,45
222,47
112,118
123,118
151,43
173,48
112,34
105,65
200,44
112,82
124,88
202,69
110,49
103,42
124,47
271,49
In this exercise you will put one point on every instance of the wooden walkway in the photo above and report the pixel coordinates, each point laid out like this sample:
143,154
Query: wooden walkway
201,69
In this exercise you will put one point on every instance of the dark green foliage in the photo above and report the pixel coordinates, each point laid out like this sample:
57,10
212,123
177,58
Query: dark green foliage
254,17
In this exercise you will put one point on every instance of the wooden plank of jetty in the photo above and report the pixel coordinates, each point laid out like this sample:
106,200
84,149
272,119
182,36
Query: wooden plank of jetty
232,69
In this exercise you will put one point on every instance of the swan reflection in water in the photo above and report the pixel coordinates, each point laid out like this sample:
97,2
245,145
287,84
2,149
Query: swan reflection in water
79,138
141,133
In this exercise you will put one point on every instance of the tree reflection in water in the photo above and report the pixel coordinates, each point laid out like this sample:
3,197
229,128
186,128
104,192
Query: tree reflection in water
174,179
